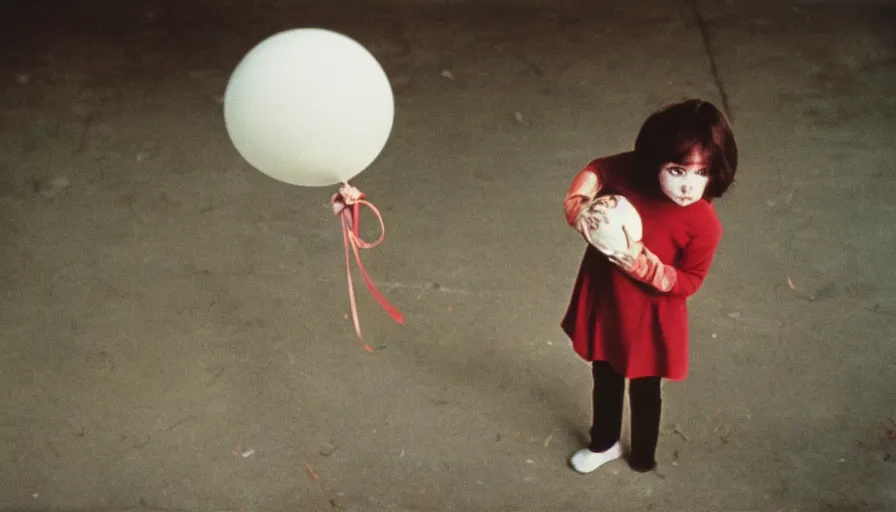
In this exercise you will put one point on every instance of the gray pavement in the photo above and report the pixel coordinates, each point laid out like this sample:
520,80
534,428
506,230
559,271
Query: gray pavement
172,323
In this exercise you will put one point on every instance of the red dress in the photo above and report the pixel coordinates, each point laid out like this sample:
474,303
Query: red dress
639,330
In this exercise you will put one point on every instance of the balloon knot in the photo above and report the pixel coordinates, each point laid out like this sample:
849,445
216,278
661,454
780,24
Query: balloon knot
347,196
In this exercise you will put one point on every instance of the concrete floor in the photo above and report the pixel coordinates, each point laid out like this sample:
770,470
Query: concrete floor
172,322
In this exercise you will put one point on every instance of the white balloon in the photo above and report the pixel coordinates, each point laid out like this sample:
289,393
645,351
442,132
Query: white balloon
309,107
606,216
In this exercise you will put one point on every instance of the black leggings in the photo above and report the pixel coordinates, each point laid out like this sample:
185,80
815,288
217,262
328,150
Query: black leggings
645,404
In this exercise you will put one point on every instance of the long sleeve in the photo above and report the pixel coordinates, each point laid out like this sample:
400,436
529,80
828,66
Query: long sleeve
697,260
685,279
584,188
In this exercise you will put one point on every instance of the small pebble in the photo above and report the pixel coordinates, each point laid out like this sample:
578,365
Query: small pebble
329,448
447,74
23,78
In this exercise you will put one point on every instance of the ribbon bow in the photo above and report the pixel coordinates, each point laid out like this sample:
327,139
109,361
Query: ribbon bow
347,205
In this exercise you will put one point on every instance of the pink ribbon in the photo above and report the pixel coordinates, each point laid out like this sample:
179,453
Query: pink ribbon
347,205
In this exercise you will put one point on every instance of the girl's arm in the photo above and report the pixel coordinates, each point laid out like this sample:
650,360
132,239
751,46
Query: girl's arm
584,188
644,266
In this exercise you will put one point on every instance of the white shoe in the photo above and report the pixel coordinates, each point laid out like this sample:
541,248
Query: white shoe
586,461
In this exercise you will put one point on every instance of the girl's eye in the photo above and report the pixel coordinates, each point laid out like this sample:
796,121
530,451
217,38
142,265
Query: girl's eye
675,171
703,172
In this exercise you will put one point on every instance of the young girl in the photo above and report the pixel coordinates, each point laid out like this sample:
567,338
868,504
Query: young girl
628,313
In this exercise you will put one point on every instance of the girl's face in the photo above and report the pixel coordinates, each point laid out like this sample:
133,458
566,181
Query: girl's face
684,182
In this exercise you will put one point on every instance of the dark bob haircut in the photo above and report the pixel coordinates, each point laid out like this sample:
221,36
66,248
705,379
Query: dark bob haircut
674,132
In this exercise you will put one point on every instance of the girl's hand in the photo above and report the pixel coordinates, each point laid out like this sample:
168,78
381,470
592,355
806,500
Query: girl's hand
583,226
627,257
639,263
